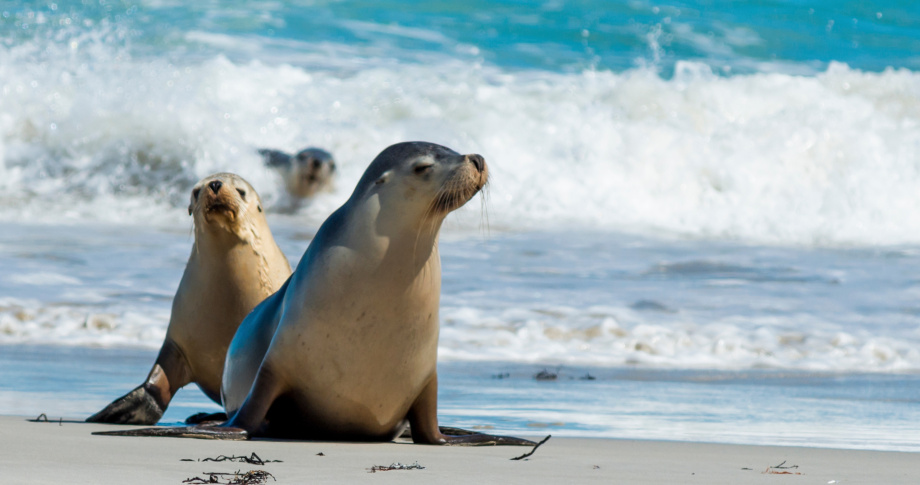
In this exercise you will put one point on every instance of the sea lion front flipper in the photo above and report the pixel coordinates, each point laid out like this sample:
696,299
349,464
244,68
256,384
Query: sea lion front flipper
147,402
265,389
204,432
135,407
423,423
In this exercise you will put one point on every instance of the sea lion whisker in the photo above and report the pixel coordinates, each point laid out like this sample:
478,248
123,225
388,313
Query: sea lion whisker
484,209
455,194
450,193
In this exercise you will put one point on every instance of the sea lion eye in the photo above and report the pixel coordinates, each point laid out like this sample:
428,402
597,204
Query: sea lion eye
242,193
420,169
195,192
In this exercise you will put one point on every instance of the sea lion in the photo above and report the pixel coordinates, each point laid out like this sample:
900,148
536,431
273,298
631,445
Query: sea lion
233,266
305,174
347,348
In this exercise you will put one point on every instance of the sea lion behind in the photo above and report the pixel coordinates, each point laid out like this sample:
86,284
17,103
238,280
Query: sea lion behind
305,174
233,266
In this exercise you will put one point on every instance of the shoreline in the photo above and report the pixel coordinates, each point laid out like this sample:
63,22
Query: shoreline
67,452
840,411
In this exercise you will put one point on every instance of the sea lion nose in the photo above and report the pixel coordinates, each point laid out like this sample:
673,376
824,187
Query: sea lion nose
215,186
477,160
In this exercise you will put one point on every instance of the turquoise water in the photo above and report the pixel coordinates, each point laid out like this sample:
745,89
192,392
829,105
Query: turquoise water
710,205
731,37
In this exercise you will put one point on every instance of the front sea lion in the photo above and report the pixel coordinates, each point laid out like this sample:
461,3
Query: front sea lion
234,265
347,348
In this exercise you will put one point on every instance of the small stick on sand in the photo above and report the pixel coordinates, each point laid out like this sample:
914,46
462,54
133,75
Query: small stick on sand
525,455
772,470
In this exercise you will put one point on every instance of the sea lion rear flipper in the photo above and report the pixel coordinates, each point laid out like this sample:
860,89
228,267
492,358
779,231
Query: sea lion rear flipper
204,432
199,418
407,431
423,423
264,390
472,438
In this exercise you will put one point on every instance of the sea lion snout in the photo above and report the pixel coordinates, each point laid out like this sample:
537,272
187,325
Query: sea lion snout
477,161
221,195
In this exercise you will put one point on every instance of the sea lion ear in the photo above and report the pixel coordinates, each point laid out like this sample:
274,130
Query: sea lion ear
190,209
383,178
259,207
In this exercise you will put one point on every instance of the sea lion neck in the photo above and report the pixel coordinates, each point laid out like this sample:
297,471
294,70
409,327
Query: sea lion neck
221,234
388,234
222,241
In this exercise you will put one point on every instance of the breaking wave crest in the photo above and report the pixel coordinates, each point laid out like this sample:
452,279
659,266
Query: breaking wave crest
90,133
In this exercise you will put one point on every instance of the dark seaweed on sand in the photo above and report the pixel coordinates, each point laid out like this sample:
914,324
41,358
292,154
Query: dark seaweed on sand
394,466
252,477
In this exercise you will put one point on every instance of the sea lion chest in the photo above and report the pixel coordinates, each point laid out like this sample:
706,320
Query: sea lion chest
360,332
215,294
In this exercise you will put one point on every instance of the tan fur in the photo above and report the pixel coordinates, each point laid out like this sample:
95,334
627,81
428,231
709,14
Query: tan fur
349,345
234,264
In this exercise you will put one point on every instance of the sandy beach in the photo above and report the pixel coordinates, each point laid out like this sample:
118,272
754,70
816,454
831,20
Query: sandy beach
696,259
66,452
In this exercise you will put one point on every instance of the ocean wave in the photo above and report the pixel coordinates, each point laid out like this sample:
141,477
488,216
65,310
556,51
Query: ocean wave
606,336
31,322
594,336
90,133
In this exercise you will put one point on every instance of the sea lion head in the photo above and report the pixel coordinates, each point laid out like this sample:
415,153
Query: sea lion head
225,201
423,179
312,170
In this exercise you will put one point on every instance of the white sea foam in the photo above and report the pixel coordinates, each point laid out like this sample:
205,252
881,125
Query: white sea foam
32,322
41,279
597,336
89,133
621,336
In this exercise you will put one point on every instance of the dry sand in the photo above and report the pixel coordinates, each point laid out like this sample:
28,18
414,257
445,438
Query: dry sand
66,452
